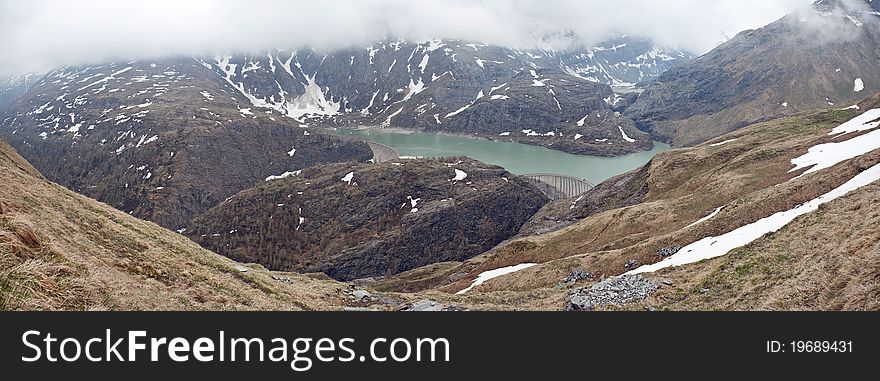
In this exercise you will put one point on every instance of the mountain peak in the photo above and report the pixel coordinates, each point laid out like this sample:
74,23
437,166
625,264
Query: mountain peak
846,5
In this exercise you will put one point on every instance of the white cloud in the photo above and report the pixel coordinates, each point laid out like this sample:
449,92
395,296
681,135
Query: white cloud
41,34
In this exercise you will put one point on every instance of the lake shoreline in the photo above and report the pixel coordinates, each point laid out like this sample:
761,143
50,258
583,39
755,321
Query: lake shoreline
516,157
591,150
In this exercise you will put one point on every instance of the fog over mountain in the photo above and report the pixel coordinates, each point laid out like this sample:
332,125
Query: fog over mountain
39,35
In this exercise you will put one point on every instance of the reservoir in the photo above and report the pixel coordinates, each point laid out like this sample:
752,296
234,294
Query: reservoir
515,157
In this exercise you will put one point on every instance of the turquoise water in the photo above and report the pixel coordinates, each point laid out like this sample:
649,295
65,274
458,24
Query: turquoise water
515,157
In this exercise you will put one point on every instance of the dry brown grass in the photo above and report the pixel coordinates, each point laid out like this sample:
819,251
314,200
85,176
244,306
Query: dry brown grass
750,178
827,260
63,251
32,276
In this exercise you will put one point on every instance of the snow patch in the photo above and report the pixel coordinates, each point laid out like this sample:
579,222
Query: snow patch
858,85
712,247
625,137
283,175
424,64
348,177
722,143
387,121
413,202
459,175
707,218
868,120
492,274
827,155
311,102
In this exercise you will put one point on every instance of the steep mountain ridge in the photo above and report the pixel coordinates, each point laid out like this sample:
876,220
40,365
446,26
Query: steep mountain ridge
161,140
819,57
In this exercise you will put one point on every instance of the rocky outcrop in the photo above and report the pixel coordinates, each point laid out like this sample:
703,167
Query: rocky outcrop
160,140
621,290
359,220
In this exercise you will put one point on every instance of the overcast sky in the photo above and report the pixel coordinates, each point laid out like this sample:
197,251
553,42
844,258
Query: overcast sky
37,35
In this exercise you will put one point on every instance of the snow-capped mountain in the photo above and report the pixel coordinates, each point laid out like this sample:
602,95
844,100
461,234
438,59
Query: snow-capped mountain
556,98
128,133
12,87
369,80
623,61
429,85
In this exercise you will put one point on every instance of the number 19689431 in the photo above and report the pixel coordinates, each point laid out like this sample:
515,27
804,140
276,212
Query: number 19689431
810,346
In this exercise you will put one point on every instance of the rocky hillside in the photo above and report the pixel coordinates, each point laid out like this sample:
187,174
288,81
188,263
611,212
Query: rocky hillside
455,86
821,57
63,251
811,177
560,112
12,87
160,140
361,220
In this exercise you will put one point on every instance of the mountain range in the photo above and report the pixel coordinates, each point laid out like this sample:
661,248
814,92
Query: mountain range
459,87
768,200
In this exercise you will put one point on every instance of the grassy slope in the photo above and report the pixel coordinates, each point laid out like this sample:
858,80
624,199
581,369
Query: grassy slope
63,251
827,260
749,176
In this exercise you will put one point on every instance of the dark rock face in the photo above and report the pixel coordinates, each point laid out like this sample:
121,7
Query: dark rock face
163,141
807,60
353,221
460,87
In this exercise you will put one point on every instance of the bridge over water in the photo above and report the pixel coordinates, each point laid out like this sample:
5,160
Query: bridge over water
555,186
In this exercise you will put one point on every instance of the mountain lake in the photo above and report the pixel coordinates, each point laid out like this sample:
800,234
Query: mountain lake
515,157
